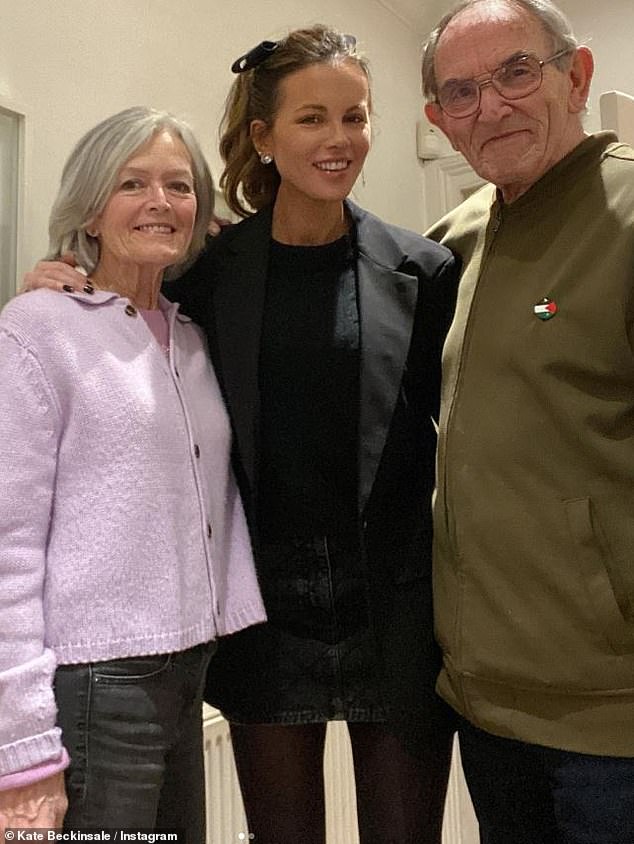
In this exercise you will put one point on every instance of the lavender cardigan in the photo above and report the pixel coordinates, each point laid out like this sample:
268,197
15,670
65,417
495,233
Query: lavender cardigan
121,529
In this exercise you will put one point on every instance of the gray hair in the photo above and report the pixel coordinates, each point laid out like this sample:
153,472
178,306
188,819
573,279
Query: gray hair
254,95
91,170
553,21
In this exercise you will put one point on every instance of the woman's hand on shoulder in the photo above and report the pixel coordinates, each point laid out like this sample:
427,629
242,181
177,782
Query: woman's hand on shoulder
217,224
57,275
40,805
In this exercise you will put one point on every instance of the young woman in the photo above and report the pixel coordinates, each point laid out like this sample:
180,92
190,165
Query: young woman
326,327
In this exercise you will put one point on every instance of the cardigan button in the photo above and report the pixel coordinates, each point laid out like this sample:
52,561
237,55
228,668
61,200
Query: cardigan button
209,530
130,310
197,451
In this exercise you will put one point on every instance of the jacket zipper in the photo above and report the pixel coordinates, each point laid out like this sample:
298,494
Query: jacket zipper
450,523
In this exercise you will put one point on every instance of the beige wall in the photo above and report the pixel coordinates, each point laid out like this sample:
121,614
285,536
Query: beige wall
607,28
69,63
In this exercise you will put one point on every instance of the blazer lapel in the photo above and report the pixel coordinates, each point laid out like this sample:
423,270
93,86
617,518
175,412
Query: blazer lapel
387,304
238,303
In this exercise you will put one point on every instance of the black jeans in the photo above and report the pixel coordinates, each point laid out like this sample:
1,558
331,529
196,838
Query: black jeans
528,794
133,729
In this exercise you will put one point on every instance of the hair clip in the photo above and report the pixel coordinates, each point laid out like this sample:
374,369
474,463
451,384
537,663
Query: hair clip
255,56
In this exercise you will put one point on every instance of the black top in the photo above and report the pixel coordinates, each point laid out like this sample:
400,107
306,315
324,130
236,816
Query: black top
406,292
309,392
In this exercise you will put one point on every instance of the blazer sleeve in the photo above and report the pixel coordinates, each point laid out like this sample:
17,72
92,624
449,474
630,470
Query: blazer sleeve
438,272
192,289
446,282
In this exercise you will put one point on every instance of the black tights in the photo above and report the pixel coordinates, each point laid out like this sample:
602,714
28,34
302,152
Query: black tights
400,797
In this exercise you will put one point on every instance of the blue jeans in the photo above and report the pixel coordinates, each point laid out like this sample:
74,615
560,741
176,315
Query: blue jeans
528,794
133,729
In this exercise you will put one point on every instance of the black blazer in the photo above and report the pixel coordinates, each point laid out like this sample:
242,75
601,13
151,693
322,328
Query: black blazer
407,287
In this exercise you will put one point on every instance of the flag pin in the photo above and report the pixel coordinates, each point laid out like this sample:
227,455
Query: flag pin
545,309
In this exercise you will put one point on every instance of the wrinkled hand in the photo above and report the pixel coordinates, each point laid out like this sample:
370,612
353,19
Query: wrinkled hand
55,275
41,805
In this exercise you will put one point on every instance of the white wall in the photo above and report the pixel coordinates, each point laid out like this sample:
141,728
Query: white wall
69,63
607,28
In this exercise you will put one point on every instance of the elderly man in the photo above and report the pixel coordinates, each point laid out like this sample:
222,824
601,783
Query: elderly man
534,520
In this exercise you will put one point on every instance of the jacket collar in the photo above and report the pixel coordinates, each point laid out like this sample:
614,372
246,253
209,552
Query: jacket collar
387,303
373,237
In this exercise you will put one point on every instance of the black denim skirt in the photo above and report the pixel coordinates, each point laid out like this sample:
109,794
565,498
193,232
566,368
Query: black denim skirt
315,659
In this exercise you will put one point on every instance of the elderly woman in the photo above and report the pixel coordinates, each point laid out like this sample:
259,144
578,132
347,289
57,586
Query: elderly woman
124,550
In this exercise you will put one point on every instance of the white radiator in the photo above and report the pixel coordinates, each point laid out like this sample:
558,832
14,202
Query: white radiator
226,823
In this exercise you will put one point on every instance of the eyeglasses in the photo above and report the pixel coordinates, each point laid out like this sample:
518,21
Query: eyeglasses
515,78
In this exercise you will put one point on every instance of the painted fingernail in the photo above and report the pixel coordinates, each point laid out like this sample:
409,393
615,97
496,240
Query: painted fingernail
88,288
68,289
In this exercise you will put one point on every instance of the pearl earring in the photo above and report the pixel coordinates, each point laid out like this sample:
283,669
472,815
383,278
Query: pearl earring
265,158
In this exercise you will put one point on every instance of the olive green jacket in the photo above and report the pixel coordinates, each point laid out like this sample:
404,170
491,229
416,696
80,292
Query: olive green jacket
534,517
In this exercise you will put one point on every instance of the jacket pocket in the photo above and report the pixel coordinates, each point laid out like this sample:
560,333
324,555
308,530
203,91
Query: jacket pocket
606,590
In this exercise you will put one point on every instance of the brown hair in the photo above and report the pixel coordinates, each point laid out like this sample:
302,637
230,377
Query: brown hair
247,183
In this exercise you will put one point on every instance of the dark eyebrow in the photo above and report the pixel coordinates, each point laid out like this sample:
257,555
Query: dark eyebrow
322,108
312,107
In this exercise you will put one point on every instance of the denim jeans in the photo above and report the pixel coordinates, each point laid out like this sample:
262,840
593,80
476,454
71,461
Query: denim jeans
528,794
133,729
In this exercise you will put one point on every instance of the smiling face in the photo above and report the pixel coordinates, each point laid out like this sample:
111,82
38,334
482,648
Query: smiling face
148,220
511,143
321,132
